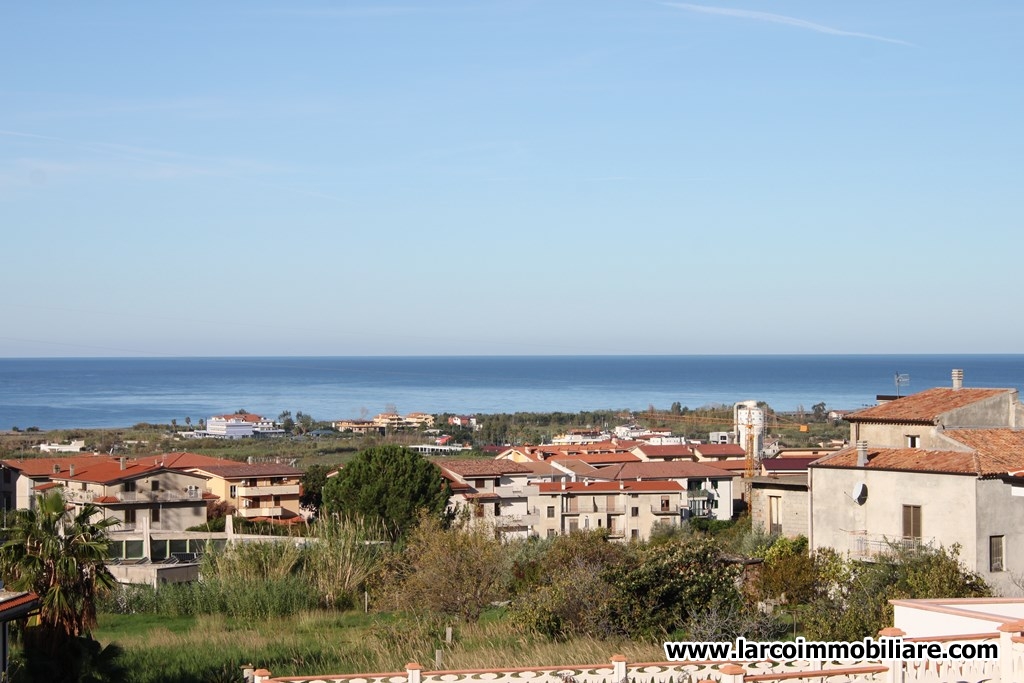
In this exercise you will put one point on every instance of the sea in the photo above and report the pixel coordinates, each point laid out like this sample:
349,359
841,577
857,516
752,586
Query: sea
67,393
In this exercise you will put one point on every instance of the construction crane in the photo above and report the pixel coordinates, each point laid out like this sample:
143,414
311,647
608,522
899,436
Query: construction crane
748,424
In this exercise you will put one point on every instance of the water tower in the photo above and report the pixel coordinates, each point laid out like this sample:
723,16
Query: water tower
748,419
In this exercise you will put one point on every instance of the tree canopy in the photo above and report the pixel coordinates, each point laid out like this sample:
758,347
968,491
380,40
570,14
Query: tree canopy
62,559
313,481
389,483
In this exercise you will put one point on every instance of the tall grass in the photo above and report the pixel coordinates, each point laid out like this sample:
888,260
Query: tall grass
318,642
246,599
345,554
245,562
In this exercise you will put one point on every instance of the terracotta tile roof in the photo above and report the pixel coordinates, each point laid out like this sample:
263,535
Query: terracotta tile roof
244,417
580,450
482,467
15,605
999,450
581,469
719,450
37,467
987,453
610,487
671,470
905,459
109,471
107,499
184,460
676,451
241,470
787,464
924,407
735,465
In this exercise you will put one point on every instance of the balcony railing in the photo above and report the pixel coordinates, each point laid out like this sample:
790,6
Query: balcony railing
261,512
613,508
268,490
670,509
868,546
134,496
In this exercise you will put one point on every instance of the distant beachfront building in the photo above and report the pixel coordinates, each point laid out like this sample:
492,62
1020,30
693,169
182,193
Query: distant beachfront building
240,426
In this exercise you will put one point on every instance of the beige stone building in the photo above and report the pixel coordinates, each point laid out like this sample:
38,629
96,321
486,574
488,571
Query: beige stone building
941,467
496,493
628,510
136,494
257,491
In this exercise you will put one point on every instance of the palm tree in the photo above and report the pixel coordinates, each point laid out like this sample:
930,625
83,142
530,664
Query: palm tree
61,557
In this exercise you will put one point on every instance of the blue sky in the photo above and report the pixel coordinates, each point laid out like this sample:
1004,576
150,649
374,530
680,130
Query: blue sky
511,177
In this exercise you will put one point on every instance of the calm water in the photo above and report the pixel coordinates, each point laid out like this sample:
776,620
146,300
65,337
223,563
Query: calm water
62,393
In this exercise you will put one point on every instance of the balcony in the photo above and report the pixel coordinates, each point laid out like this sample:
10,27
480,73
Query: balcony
268,490
140,496
74,496
249,513
612,509
670,509
516,491
867,547
531,519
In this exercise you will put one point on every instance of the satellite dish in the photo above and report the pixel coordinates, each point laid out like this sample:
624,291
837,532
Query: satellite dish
860,493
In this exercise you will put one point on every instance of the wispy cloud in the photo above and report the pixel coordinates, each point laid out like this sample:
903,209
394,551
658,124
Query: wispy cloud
781,19
116,161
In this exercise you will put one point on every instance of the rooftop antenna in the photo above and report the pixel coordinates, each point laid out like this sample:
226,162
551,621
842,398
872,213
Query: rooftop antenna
901,380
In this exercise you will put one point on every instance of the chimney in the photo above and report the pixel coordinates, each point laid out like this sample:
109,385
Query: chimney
862,453
563,484
121,461
56,468
958,379
71,470
622,484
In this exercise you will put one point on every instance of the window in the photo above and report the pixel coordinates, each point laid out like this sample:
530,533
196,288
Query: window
774,520
233,491
497,509
155,485
666,504
912,522
551,511
128,487
913,441
634,512
479,484
551,533
995,554
129,516
154,515
196,511
634,534
250,482
574,525
478,510
277,501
